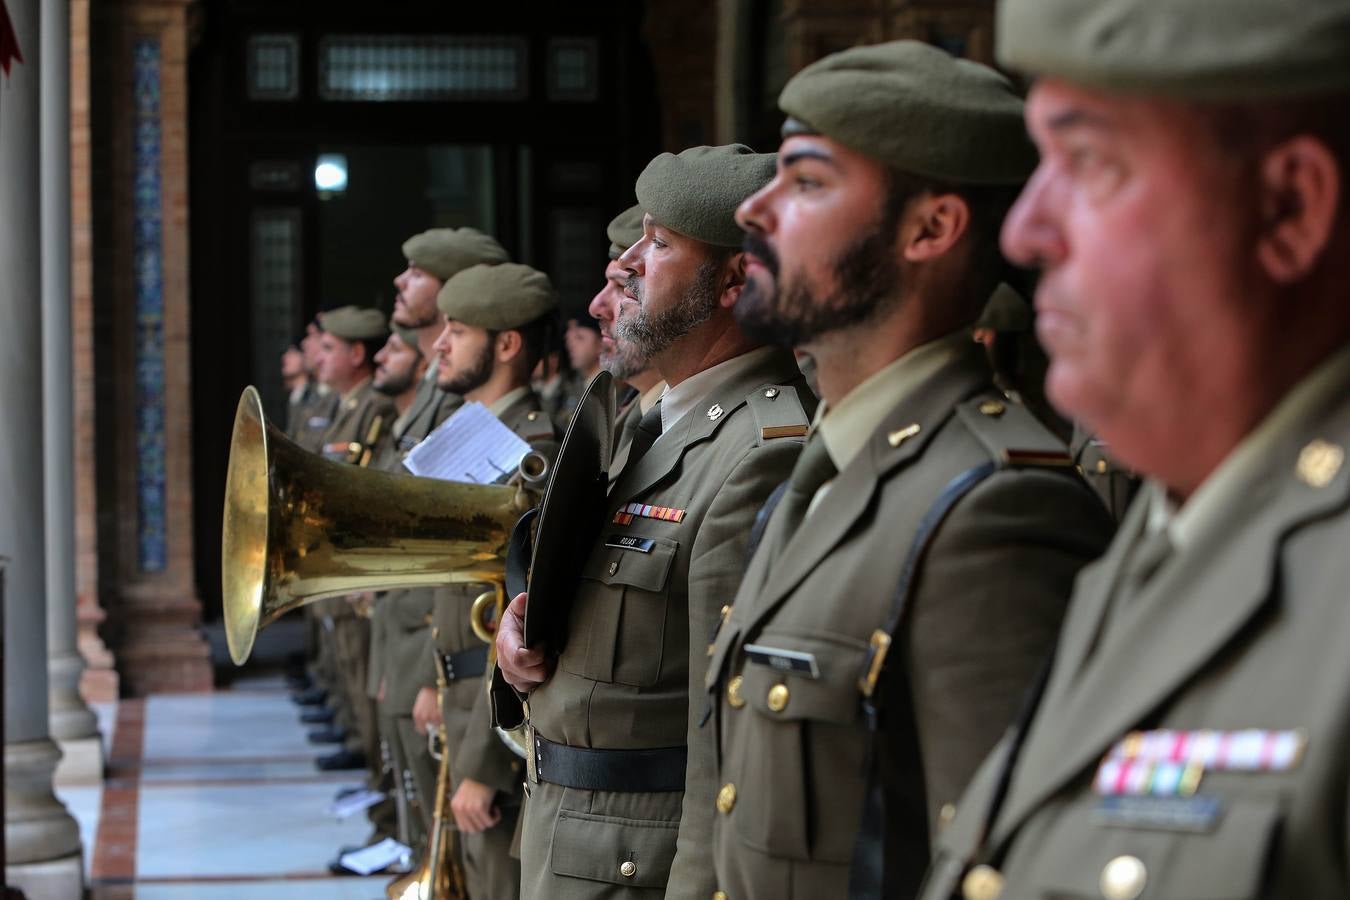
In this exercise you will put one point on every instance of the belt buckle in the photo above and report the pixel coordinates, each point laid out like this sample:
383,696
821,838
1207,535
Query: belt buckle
531,754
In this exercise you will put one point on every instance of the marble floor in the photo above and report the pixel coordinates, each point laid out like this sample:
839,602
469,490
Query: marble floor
215,796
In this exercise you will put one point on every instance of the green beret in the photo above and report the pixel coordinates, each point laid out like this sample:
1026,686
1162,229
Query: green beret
1203,50
697,191
624,230
354,323
445,251
497,297
915,108
1006,311
408,336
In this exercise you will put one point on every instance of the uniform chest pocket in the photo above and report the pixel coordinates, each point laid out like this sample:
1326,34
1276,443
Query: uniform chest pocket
1084,856
793,747
618,627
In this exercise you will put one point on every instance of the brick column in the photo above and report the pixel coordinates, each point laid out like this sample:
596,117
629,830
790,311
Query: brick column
141,324
98,682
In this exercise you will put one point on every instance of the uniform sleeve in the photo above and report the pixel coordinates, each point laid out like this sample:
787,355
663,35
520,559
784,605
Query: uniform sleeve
409,666
379,614
482,756
986,613
716,564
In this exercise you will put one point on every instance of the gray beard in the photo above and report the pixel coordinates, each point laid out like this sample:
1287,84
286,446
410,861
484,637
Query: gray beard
649,334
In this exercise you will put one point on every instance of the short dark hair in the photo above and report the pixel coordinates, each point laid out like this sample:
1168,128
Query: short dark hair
988,206
373,346
537,338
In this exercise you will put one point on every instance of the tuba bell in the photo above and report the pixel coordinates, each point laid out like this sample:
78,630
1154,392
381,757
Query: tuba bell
298,528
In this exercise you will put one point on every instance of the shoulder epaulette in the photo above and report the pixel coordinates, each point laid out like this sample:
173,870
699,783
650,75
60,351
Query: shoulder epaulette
1012,435
778,413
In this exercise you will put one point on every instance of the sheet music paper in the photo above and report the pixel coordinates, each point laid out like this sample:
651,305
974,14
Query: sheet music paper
472,445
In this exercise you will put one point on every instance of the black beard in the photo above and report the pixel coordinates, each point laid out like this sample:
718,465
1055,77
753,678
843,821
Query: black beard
868,276
471,378
652,333
416,324
393,385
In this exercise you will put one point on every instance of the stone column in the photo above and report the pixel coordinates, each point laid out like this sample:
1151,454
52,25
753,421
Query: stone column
99,682
42,840
142,313
73,724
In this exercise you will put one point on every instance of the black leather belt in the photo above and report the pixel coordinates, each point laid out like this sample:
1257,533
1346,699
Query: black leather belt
465,663
626,771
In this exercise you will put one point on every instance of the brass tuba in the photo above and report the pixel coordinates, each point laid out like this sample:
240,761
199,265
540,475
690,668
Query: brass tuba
299,527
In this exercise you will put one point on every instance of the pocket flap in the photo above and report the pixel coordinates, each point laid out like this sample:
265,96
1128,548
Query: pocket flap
793,694
1228,861
633,852
646,566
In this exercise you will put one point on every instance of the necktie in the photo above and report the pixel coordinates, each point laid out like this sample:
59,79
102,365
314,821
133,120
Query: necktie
647,431
814,468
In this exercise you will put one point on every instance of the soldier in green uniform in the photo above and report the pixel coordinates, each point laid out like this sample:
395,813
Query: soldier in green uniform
351,338
315,411
401,655
914,570
641,384
498,319
1191,219
620,774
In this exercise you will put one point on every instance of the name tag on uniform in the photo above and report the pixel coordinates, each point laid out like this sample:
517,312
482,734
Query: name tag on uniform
1198,814
317,422
621,542
793,662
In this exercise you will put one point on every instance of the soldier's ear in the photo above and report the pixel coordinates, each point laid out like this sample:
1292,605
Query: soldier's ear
936,222
510,344
1300,194
732,280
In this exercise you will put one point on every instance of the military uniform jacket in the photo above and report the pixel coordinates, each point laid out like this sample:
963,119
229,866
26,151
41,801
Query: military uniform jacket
981,618
401,619
480,754
352,422
310,419
631,673
1245,629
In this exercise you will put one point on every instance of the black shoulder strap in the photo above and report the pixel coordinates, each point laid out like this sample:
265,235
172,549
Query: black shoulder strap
762,521
867,874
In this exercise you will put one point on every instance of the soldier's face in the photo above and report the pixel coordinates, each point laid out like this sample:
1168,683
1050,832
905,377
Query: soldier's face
1136,218
395,367
312,347
466,357
673,285
415,302
292,363
620,358
821,245
337,360
583,346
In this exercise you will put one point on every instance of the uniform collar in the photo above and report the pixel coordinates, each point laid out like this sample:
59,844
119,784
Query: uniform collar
679,400
848,427
499,406
356,389
648,399
1208,508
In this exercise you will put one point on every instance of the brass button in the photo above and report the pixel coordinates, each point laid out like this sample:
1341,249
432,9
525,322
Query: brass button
982,883
770,393
726,798
531,416
1123,878
1101,467
720,895
1318,463
778,697
734,698
992,408
726,610
628,869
